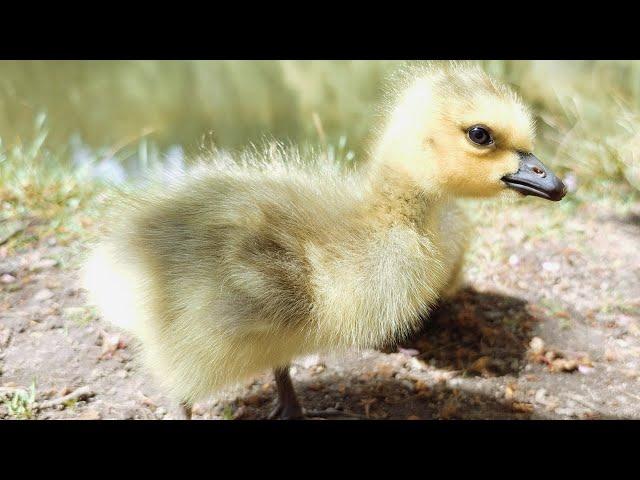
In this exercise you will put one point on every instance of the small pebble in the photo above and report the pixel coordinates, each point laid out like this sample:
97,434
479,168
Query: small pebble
536,345
569,412
44,294
43,264
508,393
409,352
540,396
408,385
7,278
309,361
89,414
585,369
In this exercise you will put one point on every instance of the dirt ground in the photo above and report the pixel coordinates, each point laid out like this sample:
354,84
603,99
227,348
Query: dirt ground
549,327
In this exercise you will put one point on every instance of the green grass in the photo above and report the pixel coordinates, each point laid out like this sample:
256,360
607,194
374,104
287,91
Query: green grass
227,412
180,102
81,316
40,193
587,110
19,403
587,115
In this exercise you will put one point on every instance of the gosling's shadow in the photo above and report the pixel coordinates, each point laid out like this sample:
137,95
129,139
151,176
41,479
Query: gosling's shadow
632,219
333,397
479,333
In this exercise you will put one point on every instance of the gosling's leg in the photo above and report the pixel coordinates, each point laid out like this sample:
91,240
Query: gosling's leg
455,283
288,407
187,410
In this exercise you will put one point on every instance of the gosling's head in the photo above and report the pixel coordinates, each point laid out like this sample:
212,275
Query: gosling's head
455,131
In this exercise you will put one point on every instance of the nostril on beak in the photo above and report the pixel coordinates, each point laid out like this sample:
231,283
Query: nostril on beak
538,171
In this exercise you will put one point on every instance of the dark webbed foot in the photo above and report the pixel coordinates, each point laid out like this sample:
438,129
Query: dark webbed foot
287,412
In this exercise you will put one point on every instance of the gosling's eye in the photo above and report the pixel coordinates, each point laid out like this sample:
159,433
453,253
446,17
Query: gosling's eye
480,136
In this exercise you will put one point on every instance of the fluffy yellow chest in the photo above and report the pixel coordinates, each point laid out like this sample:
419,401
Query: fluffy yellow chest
375,292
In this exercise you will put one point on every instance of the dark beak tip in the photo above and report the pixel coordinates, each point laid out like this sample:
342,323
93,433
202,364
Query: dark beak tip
561,191
564,190
533,178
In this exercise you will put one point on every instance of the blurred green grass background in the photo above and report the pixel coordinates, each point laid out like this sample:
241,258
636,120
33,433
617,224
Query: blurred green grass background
65,125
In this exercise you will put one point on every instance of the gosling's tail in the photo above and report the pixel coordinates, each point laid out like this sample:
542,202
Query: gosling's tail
115,287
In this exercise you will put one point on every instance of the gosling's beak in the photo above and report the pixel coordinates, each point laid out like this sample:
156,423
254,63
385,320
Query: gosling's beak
533,178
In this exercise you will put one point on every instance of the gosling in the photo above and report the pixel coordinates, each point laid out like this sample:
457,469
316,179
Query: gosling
248,263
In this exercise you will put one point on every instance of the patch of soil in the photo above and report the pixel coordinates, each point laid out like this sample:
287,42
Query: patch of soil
549,327
477,334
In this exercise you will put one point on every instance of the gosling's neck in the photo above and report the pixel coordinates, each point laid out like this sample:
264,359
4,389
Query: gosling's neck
396,198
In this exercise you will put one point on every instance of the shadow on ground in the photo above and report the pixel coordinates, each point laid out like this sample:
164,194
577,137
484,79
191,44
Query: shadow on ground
633,219
477,334
380,399
630,219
